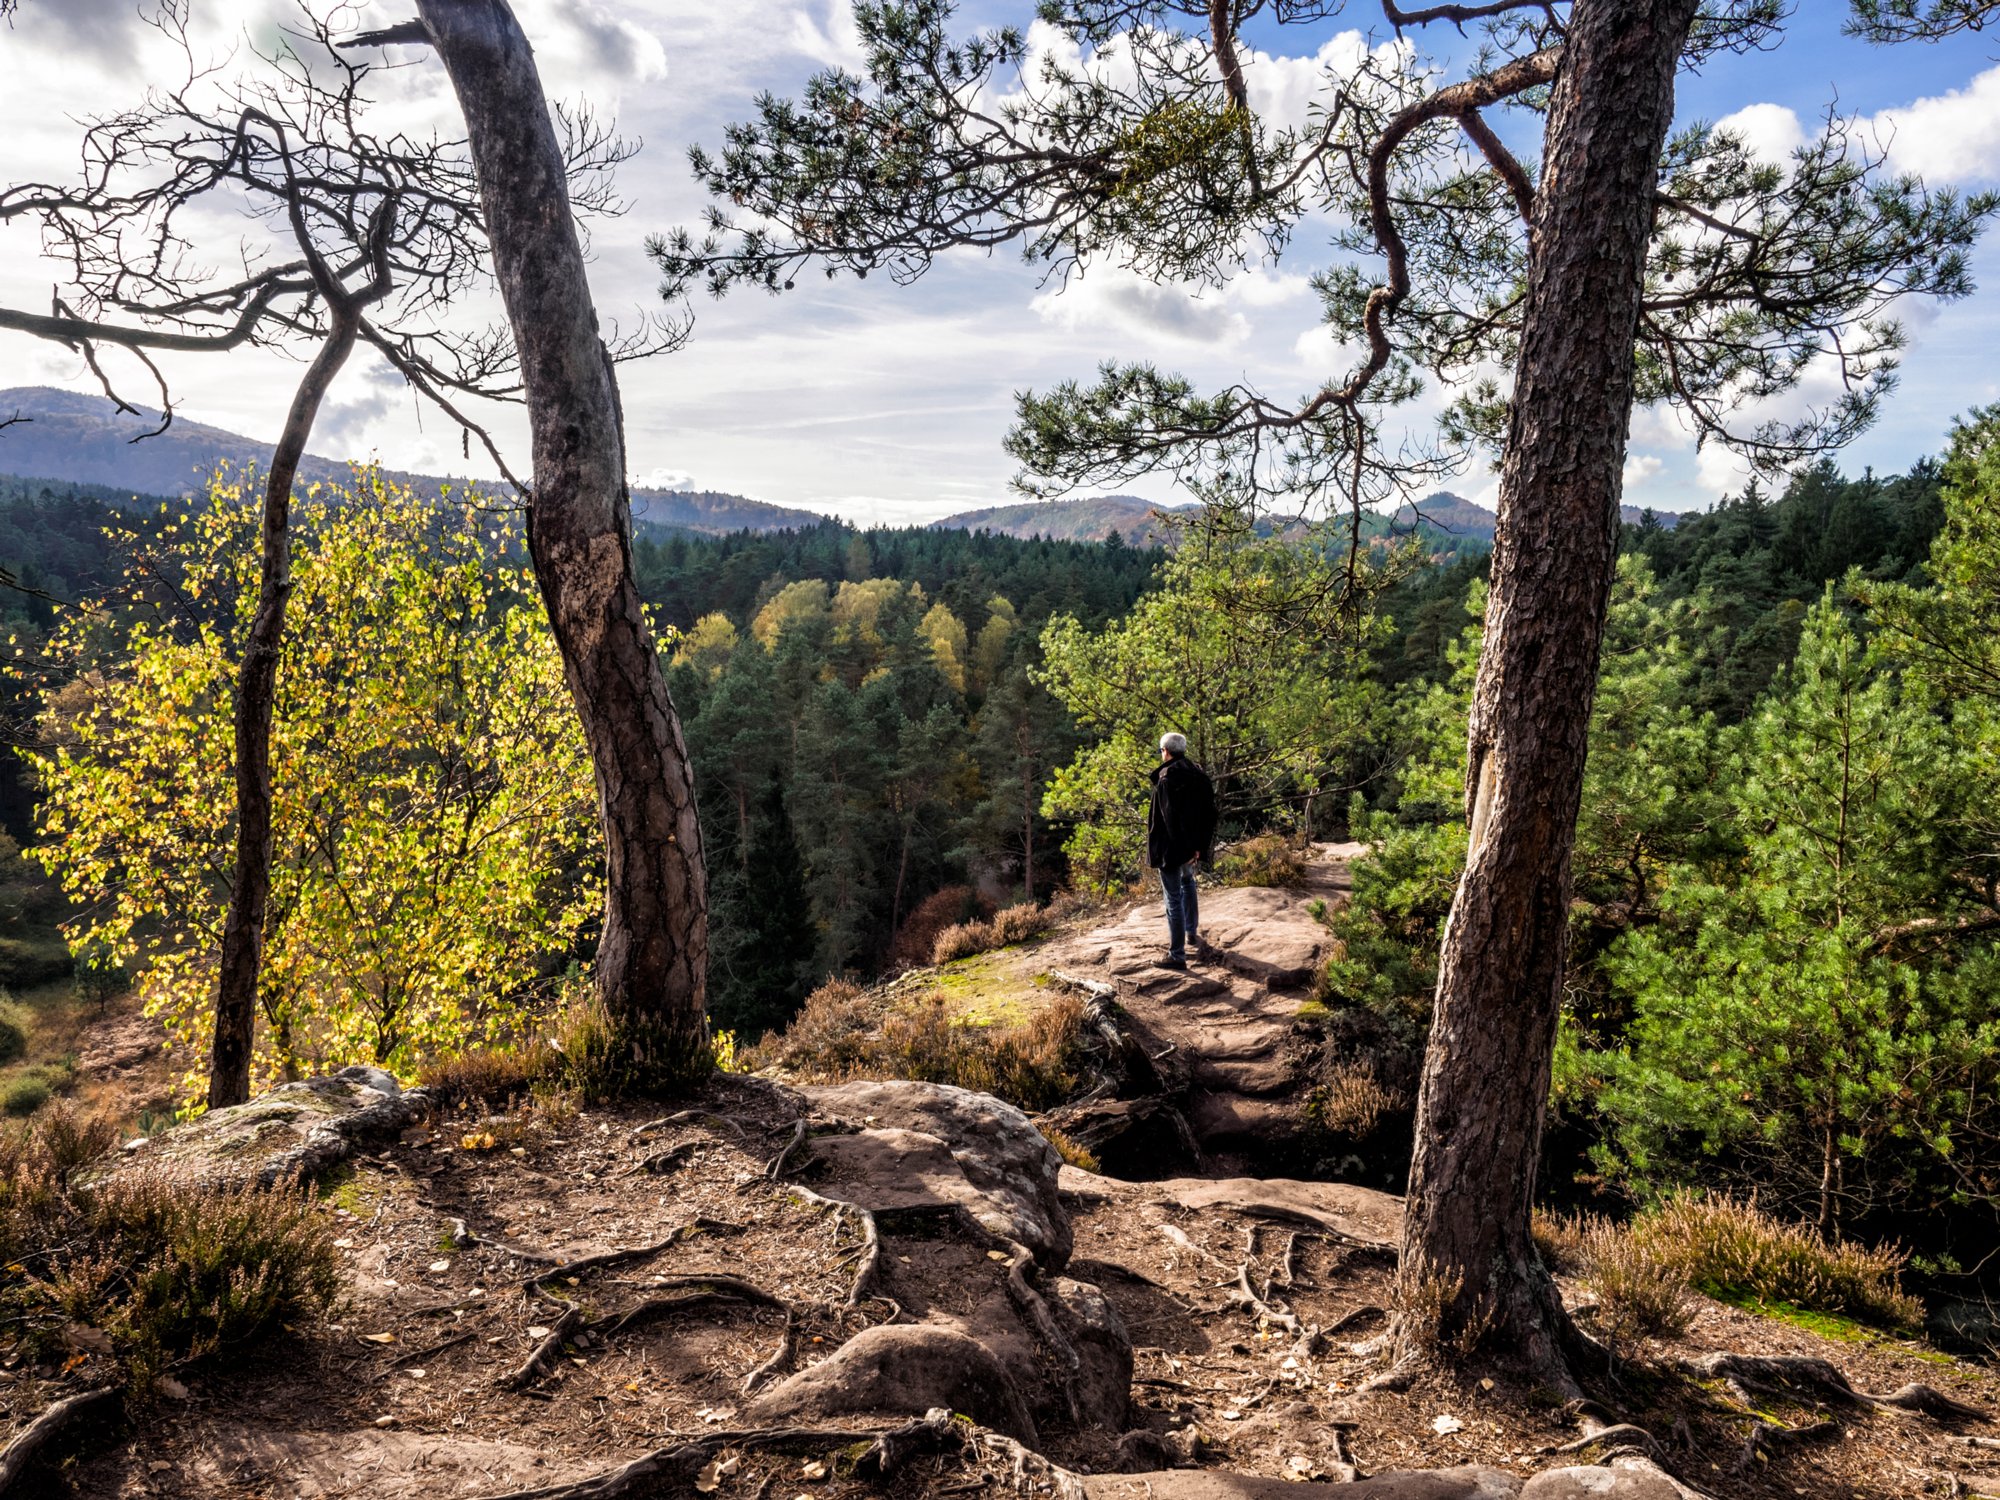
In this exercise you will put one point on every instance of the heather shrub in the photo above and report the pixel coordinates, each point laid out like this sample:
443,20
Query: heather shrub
152,1271
918,935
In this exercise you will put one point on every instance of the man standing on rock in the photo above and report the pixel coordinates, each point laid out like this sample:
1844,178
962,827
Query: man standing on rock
1180,827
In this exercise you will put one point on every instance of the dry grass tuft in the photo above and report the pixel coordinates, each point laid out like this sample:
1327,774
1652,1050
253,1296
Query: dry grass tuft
839,1035
491,1075
917,938
1016,924
1733,1250
1267,859
1727,1248
1077,1155
1350,1100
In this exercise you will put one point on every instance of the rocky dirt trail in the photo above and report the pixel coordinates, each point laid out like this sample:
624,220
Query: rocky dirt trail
1220,1033
883,1288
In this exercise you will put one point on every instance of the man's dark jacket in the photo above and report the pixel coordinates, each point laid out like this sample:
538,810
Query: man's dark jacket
1181,822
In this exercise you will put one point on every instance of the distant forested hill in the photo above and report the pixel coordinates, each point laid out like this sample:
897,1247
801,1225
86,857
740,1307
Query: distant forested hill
686,577
85,440
1085,520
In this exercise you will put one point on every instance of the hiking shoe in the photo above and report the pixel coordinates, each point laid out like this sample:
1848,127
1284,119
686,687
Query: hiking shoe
1173,961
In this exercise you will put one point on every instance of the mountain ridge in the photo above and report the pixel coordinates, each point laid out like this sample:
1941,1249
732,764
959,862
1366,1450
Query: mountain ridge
85,439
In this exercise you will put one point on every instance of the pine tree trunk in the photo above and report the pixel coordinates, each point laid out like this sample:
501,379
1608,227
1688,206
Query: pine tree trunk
1470,1277
652,960
256,688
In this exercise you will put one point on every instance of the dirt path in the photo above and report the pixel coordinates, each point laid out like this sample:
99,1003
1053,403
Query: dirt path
1220,1032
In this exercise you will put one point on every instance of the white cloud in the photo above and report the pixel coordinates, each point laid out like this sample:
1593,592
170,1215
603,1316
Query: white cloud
1771,132
1720,472
834,42
1111,298
1947,138
582,46
1640,467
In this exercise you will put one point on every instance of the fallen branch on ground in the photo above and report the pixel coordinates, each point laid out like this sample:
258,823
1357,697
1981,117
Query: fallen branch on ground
25,1444
419,1355
538,1361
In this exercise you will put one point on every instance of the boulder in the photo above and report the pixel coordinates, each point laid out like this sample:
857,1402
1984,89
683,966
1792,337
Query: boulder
901,1370
1357,1213
296,1130
1007,1169
1104,1352
1592,1483
1469,1483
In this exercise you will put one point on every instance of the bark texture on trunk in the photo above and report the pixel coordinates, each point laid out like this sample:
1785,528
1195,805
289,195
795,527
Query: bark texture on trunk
652,960
256,688
1470,1276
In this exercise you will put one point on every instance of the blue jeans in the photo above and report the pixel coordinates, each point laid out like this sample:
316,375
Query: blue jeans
1183,906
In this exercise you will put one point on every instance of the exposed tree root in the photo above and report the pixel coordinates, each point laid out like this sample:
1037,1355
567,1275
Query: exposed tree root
779,1363
890,1449
1305,1339
695,1290
652,1473
1033,1306
543,1355
938,1428
686,1117
1797,1376
868,1266
30,1440
667,1160
1348,1319
1766,1438
775,1168
1625,1446
582,1263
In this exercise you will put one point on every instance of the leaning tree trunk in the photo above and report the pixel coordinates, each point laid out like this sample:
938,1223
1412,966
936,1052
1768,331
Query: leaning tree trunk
652,960
1470,1277
256,688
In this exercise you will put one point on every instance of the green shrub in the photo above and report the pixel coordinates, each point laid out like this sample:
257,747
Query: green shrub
26,1094
25,964
167,1271
13,1040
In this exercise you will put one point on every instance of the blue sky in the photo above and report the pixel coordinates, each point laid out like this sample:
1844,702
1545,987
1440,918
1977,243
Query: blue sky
887,403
